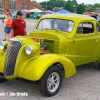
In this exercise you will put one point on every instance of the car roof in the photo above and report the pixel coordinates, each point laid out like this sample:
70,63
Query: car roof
73,17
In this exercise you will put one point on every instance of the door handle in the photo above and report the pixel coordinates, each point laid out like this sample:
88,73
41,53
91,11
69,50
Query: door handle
96,40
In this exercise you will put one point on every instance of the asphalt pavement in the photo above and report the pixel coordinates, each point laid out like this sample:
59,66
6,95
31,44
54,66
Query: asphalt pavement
84,85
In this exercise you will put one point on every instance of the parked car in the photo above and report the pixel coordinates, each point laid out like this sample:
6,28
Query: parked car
2,16
58,42
36,15
27,15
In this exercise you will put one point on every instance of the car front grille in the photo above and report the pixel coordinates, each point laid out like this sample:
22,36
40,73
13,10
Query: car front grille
13,49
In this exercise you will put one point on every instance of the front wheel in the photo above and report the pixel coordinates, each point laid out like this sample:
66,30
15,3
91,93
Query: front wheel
2,78
51,81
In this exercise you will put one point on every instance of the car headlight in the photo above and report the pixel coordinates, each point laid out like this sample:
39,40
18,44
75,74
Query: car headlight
2,45
28,50
32,49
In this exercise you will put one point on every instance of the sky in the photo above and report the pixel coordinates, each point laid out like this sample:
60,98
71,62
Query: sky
79,1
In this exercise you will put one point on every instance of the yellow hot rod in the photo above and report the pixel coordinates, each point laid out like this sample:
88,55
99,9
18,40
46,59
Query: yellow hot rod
58,42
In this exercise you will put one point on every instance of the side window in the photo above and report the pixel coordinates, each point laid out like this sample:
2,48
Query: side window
85,28
97,27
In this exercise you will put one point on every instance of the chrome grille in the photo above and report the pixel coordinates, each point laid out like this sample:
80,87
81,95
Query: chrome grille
13,49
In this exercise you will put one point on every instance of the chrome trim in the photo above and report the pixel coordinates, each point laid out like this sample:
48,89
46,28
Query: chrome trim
3,44
12,39
13,50
31,49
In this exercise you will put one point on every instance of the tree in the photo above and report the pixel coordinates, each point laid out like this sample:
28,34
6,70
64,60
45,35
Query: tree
74,2
34,1
80,9
57,0
48,7
69,2
69,7
90,8
58,3
44,6
43,3
96,5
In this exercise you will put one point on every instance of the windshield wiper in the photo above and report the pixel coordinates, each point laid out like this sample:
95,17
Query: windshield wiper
58,30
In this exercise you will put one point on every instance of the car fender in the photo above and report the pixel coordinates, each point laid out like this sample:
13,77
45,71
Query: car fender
35,68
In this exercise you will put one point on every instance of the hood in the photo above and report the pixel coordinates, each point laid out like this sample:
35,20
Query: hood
48,34
24,39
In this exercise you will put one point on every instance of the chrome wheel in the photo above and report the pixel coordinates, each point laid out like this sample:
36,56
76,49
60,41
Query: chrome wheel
53,82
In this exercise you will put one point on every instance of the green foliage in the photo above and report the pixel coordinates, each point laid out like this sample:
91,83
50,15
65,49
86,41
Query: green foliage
43,3
69,7
69,2
74,2
53,0
44,6
56,0
92,9
58,3
48,7
96,5
80,9
34,1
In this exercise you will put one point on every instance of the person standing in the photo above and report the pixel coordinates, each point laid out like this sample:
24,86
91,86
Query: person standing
5,19
18,27
8,26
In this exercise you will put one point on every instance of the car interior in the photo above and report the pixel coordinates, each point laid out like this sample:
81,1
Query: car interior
85,28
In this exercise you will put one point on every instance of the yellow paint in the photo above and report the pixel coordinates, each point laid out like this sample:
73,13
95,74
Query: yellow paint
67,49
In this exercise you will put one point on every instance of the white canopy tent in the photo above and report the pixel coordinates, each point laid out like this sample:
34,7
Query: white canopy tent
35,10
25,10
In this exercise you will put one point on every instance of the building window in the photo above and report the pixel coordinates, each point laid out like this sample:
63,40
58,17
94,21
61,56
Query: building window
23,6
1,3
12,4
1,6
1,11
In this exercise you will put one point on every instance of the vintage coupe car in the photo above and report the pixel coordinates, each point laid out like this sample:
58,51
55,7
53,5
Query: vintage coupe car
58,42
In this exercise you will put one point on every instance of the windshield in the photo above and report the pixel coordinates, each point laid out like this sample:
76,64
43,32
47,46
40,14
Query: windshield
61,24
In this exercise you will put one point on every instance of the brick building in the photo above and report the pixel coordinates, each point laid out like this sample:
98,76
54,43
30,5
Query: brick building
16,5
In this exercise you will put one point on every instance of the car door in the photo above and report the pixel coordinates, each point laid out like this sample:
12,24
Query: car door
84,44
98,42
